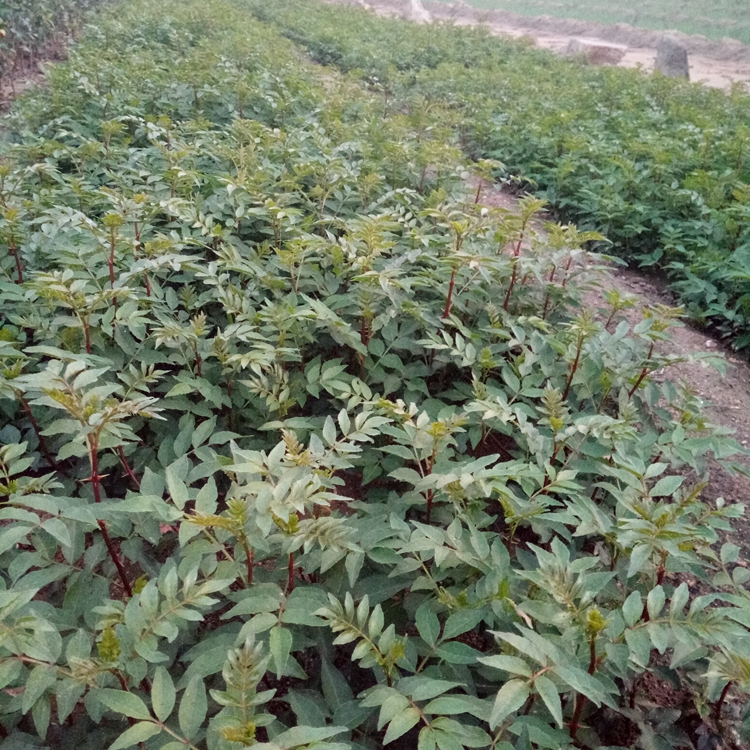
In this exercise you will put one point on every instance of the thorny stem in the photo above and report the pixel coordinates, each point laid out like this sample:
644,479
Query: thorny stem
479,193
290,574
13,250
198,361
94,459
574,368
35,426
111,260
720,703
611,317
249,560
86,325
430,498
643,374
567,268
574,725
514,275
449,298
128,470
547,298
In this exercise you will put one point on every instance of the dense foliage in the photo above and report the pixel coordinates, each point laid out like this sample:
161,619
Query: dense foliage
720,19
34,29
660,167
302,446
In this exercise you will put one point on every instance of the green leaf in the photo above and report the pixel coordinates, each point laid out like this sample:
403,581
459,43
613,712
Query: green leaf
584,683
305,735
679,599
638,558
455,652
423,688
40,713
177,488
336,689
512,695
162,694
427,623
67,694
632,609
667,486
58,530
124,703
280,645
512,664
655,602
548,692
10,537
203,431
329,431
140,732
401,724
40,679
457,704
193,707
462,621
729,553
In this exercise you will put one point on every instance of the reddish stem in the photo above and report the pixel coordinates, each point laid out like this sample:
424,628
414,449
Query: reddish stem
87,335
449,298
250,561
479,192
643,374
198,361
575,721
127,467
94,457
567,268
573,369
547,298
137,240
111,260
42,442
290,574
512,284
720,703
13,250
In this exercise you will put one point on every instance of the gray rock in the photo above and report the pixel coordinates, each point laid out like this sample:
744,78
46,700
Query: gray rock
672,58
415,11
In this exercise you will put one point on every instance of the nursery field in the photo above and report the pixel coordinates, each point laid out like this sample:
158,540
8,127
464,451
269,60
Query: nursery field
659,167
304,444
724,18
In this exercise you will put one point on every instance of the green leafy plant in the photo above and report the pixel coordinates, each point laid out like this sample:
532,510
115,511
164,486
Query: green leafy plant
301,446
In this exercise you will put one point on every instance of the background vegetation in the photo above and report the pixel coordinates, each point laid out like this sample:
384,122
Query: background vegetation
32,30
660,167
302,446
724,18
